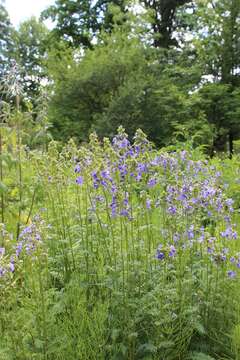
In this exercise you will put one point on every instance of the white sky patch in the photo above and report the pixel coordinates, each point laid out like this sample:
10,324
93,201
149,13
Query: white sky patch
21,10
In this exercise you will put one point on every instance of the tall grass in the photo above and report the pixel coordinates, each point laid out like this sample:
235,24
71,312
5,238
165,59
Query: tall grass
132,254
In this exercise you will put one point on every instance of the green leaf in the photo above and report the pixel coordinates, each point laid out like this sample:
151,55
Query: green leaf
201,356
199,328
3,188
147,348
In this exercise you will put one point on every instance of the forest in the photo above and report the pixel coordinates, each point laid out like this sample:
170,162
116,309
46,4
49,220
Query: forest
120,181
168,67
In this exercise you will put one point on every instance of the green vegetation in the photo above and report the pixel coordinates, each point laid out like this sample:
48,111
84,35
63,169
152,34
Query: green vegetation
163,66
119,243
118,251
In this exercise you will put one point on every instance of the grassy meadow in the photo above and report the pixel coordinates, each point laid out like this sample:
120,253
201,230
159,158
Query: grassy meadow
116,250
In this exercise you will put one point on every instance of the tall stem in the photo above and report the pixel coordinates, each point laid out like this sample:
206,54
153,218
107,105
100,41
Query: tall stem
1,175
19,164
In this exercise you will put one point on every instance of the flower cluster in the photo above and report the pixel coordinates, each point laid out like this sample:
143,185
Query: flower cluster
27,244
129,180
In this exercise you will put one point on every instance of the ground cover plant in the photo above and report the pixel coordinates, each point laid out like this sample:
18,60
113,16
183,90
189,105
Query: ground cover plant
116,250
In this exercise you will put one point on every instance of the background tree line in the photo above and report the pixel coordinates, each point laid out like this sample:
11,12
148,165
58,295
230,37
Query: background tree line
170,67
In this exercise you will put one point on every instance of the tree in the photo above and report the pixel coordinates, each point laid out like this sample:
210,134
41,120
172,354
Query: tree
164,20
218,47
222,108
79,22
121,81
30,53
6,43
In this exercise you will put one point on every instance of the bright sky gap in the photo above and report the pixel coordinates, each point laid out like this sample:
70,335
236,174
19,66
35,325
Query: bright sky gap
21,10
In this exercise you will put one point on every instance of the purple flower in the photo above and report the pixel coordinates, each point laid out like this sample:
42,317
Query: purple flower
19,248
183,155
12,266
182,197
124,143
105,174
96,180
229,233
194,201
176,237
26,230
2,271
125,200
114,206
124,212
223,257
172,251
210,250
142,168
172,210
229,202
231,274
38,237
121,141
139,177
123,170
152,182
79,180
148,204
77,169
160,255
2,251
190,232
114,189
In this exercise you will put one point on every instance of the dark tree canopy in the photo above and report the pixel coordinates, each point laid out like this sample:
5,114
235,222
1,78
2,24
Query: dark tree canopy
162,65
164,21
78,22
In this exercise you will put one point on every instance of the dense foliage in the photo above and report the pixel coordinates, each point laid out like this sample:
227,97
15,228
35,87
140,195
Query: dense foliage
119,251
121,245
165,66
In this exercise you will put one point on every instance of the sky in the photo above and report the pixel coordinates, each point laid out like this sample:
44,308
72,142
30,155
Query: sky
20,10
